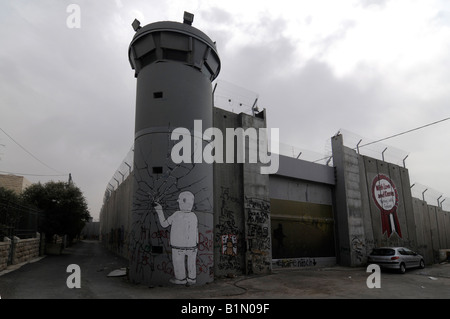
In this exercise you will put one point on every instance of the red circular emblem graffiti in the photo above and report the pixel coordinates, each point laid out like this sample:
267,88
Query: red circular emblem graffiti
385,195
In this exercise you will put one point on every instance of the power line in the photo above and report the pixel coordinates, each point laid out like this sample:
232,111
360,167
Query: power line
392,136
37,159
408,131
31,174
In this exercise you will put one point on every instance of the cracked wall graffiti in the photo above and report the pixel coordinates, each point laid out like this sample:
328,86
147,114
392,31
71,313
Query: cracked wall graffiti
158,180
259,256
228,236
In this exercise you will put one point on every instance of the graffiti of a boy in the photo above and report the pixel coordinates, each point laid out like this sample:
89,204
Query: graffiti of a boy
183,238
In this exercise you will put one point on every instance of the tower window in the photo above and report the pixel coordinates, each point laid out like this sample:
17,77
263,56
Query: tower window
158,95
157,249
157,170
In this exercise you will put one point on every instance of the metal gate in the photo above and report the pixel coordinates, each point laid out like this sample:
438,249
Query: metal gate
17,220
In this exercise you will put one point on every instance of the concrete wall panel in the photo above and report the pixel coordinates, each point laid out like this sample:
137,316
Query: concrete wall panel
229,238
441,228
447,229
431,212
421,245
394,174
407,200
427,232
349,217
370,173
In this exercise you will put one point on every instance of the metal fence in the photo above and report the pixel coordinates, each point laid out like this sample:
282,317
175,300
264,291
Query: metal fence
18,220
431,196
233,98
393,155
236,99
374,149
123,171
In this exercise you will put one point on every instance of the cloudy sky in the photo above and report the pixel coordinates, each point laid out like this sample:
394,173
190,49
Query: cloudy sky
369,68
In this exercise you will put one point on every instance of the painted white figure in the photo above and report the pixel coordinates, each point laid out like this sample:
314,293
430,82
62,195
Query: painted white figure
183,238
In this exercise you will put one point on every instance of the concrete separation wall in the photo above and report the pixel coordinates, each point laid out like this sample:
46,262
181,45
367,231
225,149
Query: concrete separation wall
432,229
241,242
229,232
241,207
310,262
301,200
304,170
256,208
115,217
300,215
375,207
301,229
390,221
350,207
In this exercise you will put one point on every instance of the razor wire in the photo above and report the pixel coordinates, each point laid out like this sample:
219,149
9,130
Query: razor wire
371,148
430,196
393,155
121,174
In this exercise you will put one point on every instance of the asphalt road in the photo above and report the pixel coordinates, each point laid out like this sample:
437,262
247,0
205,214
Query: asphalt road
46,278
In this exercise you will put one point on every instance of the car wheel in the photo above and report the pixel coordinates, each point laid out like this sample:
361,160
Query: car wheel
402,269
422,264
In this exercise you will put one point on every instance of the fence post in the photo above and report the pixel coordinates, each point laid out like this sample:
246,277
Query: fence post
9,256
14,245
42,244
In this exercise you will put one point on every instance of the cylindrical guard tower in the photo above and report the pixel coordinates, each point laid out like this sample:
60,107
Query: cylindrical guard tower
172,219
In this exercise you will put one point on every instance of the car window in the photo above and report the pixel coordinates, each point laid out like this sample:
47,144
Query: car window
408,251
383,252
403,252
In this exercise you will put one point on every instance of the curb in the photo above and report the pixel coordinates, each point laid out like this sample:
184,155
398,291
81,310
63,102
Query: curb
11,268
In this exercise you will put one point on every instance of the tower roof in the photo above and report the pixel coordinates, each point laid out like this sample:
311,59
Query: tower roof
173,41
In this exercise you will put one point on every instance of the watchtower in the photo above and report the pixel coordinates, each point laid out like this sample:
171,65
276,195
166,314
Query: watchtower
174,64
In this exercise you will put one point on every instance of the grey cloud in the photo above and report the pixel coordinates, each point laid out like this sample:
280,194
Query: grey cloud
377,3
67,94
216,15
324,45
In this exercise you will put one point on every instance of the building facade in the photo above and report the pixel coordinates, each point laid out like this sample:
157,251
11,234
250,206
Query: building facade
14,182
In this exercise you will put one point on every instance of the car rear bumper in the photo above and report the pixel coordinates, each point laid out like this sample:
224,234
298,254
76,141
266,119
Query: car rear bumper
386,264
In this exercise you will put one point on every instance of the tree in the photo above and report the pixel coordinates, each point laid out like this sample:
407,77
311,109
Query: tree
64,206
9,215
